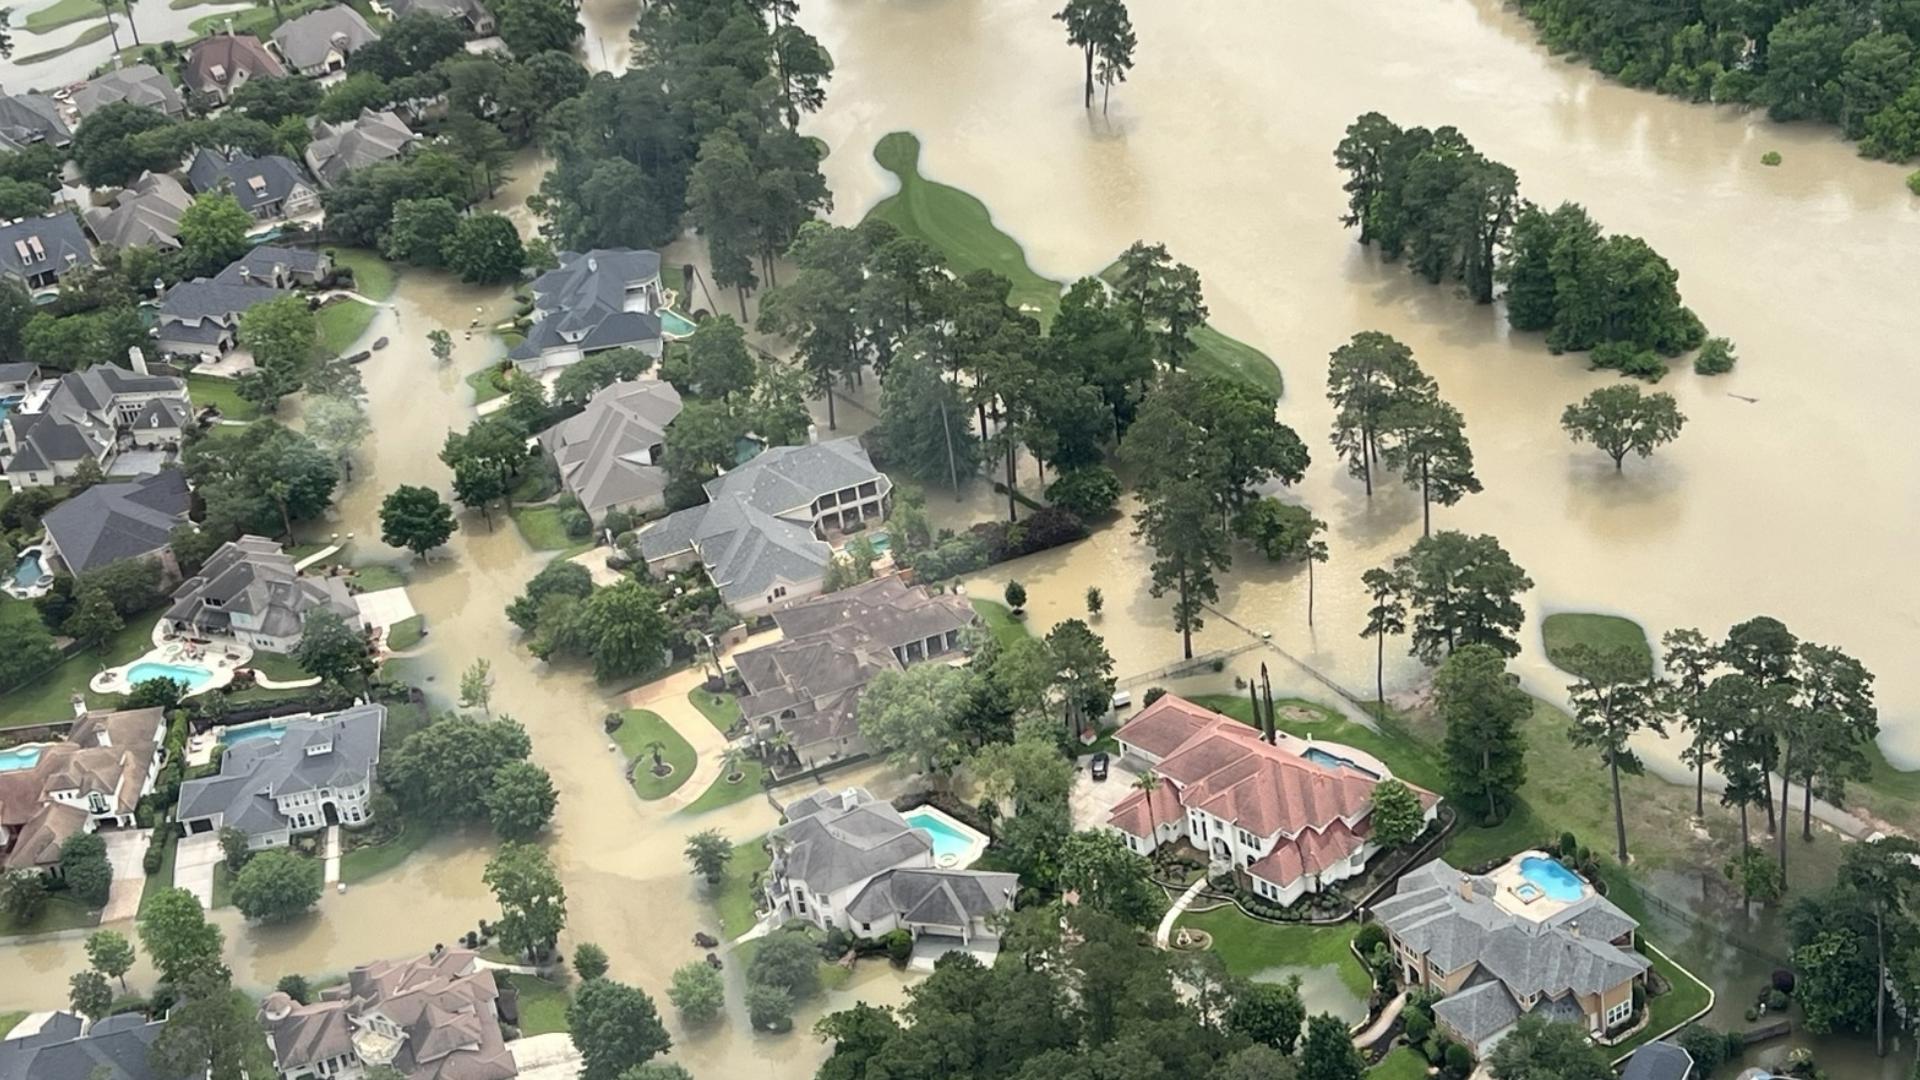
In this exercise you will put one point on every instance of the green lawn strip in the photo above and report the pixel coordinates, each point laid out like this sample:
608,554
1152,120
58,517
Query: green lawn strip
1223,357
721,710
1000,621
541,528
1249,947
258,21
543,1004
373,276
364,862
1409,759
222,885
168,836
959,226
1402,1064
636,738
482,383
733,900
342,324
87,37
60,913
278,666
221,393
61,13
406,633
8,1021
723,793
377,577
1687,997
49,698
1598,632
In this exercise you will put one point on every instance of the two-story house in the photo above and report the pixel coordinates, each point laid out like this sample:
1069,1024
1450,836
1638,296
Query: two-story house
472,15
609,454
314,772
1530,937
221,63
763,536
1288,816
270,188
807,686
110,523
845,859
318,43
37,252
92,415
50,792
249,592
608,298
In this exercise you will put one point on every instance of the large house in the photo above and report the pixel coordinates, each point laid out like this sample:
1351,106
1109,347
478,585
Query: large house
608,298
202,317
26,119
432,1017
220,64
145,214
92,779
318,43
312,773
369,139
38,252
1529,938
807,686
249,592
64,1046
472,15
608,455
269,188
110,523
844,859
1289,816
762,535
92,415
278,267
136,84
18,380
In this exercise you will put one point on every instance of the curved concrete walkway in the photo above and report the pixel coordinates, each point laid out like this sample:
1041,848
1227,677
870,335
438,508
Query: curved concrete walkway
1381,1023
668,698
1165,933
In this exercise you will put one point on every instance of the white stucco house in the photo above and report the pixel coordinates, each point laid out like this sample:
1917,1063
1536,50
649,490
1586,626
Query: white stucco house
299,776
249,592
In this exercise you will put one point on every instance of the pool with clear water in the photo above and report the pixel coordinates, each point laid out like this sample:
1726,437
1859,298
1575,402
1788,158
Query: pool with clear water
947,840
28,571
259,729
1334,761
674,324
20,757
192,674
1558,882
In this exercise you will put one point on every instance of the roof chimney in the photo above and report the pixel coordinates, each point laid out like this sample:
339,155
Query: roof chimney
1266,689
137,359
1466,888
813,434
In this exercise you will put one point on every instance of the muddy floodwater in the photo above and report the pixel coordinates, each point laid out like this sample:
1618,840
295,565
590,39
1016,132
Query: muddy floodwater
1792,492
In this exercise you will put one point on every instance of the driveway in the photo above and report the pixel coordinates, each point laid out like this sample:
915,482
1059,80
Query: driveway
1091,800
386,607
125,850
193,863
668,698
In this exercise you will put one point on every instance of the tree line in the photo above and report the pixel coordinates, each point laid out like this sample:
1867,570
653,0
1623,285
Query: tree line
1850,63
1455,215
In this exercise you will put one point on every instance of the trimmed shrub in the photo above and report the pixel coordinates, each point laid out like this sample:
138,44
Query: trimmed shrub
899,947
1371,936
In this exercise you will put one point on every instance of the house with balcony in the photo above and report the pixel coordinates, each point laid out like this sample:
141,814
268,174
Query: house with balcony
37,252
1287,816
249,592
845,859
807,686
763,535
608,298
306,774
92,779
95,415
1521,940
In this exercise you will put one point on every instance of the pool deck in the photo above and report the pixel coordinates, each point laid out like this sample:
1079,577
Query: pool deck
221,660
1508,879
976,843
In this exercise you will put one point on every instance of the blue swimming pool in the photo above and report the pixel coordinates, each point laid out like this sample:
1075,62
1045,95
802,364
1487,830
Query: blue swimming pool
193,675
259,729
1558,882
1332,761
27,571
8,404
880,542
675,325
948,842
20,757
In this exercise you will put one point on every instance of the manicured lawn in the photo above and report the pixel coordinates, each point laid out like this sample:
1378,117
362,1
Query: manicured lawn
207,390
406,633
1402,1064
48,698
543,1005
482,383
1250,947
377,577
223,885
169,837
9,1020
636,738
373,276
342,323
1687,997
541,528
61,13
721,710
86,37
364,862
1000,621
278,666
959,226
734,898
59,914
1598,632
724,794
1223,357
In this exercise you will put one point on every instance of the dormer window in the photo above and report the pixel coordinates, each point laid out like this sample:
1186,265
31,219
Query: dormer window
219,72
39,252
258,185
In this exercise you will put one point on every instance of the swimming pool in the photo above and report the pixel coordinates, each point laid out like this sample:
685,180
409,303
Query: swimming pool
20,757
193,675
1331,761
8,404
949,843
28,570
880,542
1558,882
675,325
259,729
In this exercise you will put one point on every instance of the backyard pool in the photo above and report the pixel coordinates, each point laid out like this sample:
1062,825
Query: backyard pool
192,674
675,325
31,576
20,757
953,844
880,542
8,404
1558,882
259,729
1332,761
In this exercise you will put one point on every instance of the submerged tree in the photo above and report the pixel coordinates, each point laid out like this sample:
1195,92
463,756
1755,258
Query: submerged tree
1104,35
1621,420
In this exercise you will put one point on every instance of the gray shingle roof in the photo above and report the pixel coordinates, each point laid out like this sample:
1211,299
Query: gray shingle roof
117,1044
35,245
146,213
782,479
833,848
305,41
110,522
945,898
372,137
1658,1061
79,418
269,263
31,118
1478,1012
253,576
605,453
278,176
254,772
208,298
12,373
138,84
583,303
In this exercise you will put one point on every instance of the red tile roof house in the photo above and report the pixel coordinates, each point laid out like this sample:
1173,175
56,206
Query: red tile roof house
1290,816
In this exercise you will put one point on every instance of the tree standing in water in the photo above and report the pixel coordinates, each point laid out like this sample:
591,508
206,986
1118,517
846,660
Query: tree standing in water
1104,35
1388,615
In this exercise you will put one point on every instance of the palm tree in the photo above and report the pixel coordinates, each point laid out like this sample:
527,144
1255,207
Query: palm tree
657,747
730,764
1149,782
